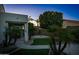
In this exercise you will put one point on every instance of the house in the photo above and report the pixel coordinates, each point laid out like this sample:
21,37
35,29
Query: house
19,20
66,23
70,23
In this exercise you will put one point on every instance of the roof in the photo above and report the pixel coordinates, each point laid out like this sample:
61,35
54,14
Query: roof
14,13
71,20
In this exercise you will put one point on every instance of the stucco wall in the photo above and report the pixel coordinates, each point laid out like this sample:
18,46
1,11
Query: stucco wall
2,10
9,17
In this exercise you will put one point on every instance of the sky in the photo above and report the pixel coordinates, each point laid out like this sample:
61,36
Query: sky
70,11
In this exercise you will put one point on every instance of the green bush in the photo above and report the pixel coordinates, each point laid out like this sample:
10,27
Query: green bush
31,29
75,31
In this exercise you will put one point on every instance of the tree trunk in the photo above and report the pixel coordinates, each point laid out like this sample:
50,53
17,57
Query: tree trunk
10,38
51,47
64,46
30,36
15,39
54,46
59,47
6,38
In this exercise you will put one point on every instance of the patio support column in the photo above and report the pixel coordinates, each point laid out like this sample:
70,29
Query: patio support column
26,32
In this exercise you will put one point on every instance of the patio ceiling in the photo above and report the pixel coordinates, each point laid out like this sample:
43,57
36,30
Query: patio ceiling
16,22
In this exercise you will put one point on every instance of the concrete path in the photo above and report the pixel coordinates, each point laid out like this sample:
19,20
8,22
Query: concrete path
33,46
40,36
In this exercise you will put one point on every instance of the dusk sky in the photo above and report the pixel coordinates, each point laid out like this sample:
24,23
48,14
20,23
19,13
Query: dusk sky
69,11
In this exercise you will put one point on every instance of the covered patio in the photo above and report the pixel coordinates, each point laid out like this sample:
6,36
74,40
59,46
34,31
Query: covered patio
22,25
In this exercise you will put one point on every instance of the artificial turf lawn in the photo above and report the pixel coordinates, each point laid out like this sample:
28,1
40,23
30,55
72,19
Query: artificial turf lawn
41,41
31,52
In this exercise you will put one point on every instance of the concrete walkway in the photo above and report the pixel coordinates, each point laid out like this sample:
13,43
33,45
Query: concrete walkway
33,46
40,36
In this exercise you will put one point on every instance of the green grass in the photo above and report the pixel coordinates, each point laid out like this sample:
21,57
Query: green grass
31,52
41,41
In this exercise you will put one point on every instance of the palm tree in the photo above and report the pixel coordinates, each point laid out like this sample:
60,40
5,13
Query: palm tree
38,27
59,36
14,33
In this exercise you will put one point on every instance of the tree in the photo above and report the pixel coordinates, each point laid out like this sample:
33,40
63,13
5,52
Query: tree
75,32
52,21
30,29
14,33
61,37
38,27
50,18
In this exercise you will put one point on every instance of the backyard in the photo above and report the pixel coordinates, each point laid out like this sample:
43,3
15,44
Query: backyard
39,46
